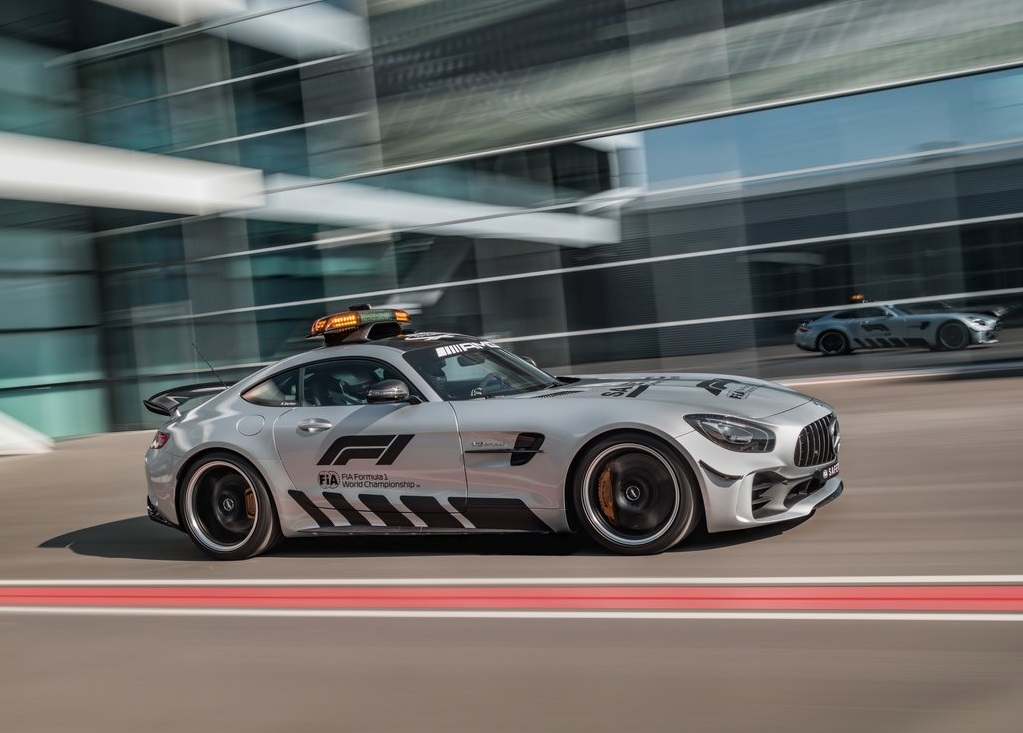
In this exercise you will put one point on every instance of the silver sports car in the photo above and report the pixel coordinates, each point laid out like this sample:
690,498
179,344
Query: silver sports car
888,326
386,431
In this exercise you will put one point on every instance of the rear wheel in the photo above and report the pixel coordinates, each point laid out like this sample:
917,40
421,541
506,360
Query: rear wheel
634,496
953,336
226,508
833,343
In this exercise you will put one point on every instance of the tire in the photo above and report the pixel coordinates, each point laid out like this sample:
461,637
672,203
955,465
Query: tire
833,343
953,336
634,496
226,508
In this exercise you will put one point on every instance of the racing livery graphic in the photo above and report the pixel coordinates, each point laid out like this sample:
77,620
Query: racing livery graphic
383,430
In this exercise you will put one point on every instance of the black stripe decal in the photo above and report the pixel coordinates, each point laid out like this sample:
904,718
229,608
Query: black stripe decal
639,390
349,512
430,511
311,509
395,449
378,504
359,446
498,514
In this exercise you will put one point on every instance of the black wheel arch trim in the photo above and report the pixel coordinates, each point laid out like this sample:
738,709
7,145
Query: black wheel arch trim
719,474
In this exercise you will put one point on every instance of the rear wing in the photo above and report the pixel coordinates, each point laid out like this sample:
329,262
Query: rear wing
169,402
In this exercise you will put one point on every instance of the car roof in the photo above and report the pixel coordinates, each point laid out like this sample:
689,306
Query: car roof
403,343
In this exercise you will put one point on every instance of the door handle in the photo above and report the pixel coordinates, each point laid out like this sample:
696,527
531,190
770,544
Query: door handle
314,425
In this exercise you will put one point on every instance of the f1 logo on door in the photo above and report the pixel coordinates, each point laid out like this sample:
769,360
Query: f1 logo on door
385,448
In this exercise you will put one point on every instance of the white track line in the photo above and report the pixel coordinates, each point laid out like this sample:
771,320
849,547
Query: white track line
906,374
549,581
505,615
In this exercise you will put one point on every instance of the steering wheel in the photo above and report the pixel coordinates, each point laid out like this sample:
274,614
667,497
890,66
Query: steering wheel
490,385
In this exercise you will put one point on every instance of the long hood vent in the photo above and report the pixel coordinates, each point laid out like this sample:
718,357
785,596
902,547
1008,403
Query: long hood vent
558,394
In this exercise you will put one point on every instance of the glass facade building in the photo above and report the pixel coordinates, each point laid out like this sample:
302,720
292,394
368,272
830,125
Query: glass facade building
633,184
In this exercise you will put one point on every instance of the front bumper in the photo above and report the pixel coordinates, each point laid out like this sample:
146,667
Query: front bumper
750,501
742,490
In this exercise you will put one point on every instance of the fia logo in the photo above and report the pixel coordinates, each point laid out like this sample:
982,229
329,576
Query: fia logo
329,480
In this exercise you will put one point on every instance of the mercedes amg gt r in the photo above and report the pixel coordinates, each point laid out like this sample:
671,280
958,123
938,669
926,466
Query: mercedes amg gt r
389,431
888,326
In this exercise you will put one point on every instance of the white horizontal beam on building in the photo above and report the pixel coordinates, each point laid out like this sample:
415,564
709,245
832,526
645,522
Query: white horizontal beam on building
296,199
304,31
59,171
180,12
297,30
17,439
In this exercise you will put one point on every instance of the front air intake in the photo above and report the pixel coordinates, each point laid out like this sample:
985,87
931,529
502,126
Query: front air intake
818,442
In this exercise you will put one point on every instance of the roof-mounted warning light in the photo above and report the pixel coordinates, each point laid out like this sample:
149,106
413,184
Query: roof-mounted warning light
360,323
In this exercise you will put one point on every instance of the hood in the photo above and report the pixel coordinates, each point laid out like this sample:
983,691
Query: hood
720,394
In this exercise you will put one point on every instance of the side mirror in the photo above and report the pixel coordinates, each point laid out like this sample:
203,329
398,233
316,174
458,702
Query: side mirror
390,391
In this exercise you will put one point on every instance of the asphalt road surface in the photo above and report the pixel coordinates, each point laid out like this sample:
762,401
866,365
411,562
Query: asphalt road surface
924,551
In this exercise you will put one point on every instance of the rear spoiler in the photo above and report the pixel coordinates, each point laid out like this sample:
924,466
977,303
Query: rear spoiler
169,401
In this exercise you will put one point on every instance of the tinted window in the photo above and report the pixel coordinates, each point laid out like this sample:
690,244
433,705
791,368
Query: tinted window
342,382
278,391
479,371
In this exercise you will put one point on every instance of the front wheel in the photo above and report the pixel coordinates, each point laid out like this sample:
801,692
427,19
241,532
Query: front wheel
634,496
226,508
953,336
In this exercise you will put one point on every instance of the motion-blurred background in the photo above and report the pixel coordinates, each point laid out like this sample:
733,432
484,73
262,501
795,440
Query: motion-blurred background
613,183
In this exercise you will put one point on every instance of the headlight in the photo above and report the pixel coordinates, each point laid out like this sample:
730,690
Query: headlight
733,433
979,321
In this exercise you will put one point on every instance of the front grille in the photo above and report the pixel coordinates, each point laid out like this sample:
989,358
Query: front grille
818,442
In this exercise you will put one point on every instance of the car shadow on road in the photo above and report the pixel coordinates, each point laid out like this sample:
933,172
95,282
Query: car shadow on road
139,538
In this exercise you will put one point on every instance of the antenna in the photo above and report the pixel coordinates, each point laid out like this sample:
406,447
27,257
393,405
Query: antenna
208,364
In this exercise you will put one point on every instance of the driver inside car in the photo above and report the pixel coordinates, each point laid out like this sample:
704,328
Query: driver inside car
433,372
347,385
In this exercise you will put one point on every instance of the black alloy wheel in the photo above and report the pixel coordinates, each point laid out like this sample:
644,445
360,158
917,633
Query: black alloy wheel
953,336
226,508
634,495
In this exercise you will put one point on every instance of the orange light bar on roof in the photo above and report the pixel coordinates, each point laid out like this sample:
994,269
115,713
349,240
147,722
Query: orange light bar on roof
351,320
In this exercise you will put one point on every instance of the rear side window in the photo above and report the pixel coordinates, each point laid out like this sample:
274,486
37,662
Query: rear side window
277,391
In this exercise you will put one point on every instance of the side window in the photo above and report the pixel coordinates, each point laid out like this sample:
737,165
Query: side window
872,313
342,382
277,391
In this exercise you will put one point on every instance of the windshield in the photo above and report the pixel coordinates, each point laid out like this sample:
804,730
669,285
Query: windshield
479,371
